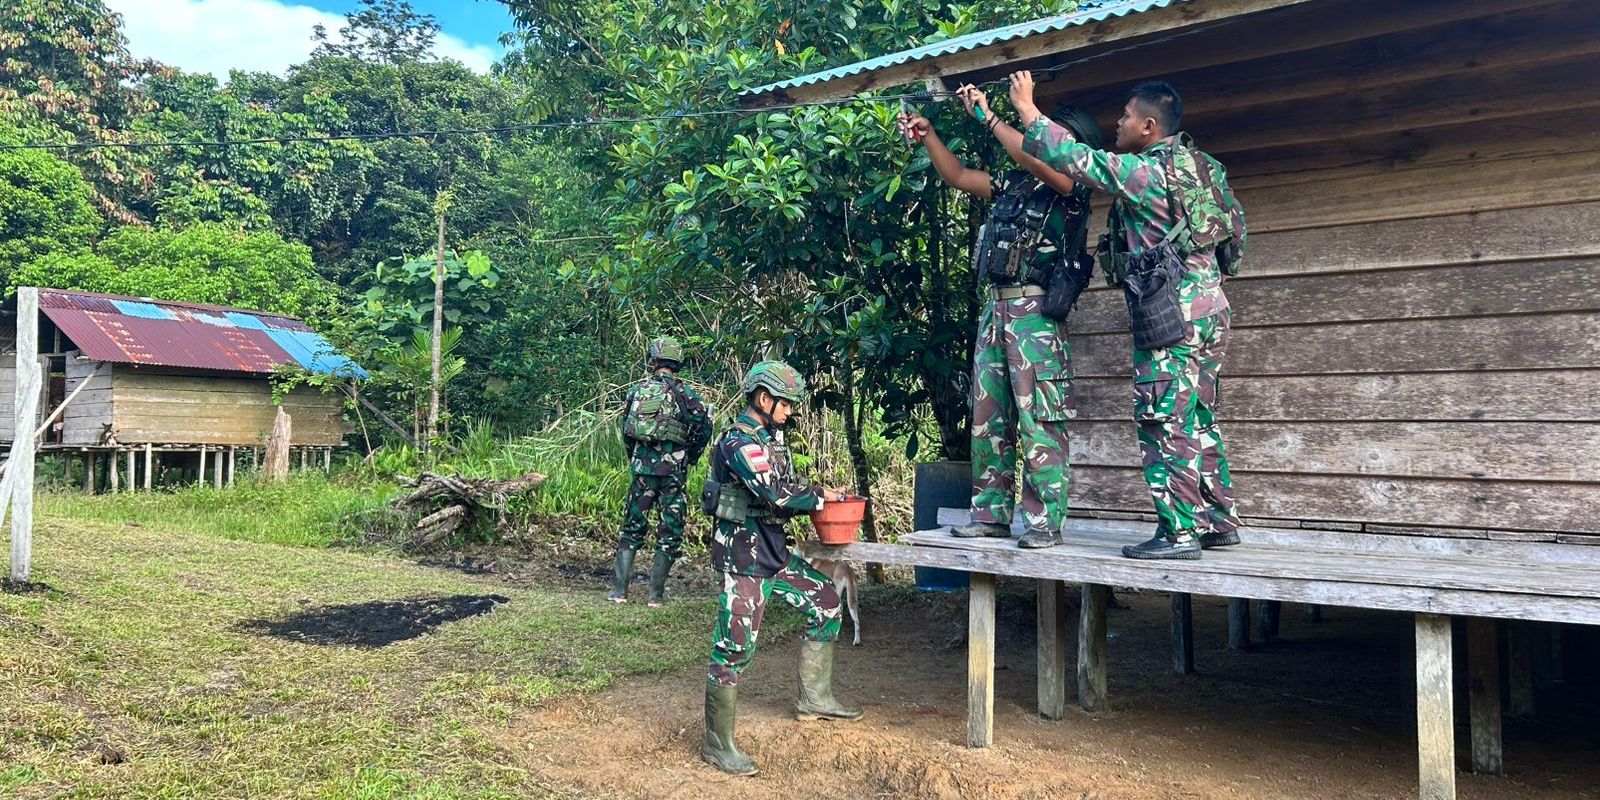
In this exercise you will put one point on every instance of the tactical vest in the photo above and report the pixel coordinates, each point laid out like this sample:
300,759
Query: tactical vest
655,413
1205,211
1013,235
725,497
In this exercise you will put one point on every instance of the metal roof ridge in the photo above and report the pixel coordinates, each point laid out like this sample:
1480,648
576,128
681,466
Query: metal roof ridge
176,303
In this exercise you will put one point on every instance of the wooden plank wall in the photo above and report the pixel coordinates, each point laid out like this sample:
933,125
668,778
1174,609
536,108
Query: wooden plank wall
87,420
1417,330
168,406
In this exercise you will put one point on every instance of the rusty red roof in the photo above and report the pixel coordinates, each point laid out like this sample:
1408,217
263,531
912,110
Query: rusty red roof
137,330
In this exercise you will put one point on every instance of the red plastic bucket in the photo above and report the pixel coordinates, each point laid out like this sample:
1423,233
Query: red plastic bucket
839,521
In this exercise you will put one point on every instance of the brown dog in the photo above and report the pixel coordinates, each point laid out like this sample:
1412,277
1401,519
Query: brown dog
844,582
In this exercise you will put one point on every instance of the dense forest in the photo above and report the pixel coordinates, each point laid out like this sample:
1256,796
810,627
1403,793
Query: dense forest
570,235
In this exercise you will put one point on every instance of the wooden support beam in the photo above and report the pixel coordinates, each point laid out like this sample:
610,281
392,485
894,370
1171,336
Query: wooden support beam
1436,758
1238,623
980,660
1267,613
89,465
1483,694
216,470
200,474
233,463
1052,649
133,472
113,468
327,460
1092,648
149,466
1182,633
29,384
1519,668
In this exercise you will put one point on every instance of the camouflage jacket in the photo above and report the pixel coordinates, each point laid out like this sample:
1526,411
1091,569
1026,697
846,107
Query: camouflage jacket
754,457
1140,203
668,458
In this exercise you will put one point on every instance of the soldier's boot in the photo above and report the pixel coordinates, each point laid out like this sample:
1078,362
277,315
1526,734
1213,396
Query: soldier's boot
1035,540
719,750
658,579
622,570
978,530
1219,539
816,685
1161,547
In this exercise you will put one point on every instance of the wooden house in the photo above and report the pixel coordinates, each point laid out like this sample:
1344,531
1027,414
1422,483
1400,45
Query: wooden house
1411,396
167,378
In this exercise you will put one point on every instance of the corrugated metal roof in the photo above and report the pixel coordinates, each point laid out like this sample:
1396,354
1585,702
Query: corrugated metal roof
133,330
1085,15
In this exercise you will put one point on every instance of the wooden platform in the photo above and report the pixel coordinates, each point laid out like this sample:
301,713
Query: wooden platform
1435,578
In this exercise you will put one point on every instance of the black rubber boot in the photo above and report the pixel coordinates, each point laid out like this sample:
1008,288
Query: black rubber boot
658,579
1037,540
978,530
1160,547
1219,539
719,751
622,570
816,685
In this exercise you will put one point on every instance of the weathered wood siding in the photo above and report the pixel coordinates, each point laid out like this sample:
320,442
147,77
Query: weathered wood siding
1417,329
168,406
87,420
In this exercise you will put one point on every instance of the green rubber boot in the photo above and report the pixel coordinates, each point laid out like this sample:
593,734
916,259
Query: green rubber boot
719,750
816,685
658,579
623,570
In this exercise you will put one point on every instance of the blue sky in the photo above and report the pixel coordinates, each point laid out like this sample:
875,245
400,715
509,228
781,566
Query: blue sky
216,36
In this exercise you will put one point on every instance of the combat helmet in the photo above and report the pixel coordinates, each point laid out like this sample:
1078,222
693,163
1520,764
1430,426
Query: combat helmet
778,378
665,348
1081,123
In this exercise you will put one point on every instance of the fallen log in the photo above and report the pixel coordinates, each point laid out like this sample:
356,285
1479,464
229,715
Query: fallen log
445,504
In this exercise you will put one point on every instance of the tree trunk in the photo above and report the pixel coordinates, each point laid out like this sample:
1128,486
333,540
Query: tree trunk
853,411
276,467
440,204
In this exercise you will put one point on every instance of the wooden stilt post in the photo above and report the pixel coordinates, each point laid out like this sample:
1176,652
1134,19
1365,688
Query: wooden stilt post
233,463
149,466
1238,623
1558,667
980,660
200,474
1267,612
133,471
1483,695
216,470
1436,725
1092,648
25,414
327,461
88,472
1182,633
1313,613
114,468
1052,649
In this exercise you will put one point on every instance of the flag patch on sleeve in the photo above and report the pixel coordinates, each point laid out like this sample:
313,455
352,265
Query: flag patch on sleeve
756,456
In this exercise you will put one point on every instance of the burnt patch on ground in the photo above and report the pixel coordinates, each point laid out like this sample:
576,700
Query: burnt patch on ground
375,623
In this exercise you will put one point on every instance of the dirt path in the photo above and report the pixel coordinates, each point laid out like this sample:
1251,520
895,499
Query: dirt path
1327,713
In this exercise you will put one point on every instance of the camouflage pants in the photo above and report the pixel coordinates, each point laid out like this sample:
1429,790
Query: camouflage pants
744,603
1175,404
662,492
1021,388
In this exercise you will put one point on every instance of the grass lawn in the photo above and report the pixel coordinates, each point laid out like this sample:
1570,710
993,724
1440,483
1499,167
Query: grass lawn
138,672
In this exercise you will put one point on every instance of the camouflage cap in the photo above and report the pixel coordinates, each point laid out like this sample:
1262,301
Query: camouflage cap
778,378
1083,125
665,348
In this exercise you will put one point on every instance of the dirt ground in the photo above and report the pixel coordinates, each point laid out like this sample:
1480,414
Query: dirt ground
1326,712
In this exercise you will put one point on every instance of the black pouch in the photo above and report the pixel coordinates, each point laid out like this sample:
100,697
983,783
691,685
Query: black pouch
1071,277
1155,316
708,496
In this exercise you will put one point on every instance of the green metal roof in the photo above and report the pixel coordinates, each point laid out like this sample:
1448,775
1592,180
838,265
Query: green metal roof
1085,15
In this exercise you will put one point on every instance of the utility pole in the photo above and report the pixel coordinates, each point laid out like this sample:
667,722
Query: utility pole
441,204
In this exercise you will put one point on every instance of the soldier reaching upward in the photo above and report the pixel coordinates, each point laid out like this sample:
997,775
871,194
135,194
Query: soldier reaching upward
1030,250
752,490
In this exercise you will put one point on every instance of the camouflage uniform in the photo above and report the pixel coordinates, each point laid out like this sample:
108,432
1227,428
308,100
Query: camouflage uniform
753,555
1175,390
1022,387
658,473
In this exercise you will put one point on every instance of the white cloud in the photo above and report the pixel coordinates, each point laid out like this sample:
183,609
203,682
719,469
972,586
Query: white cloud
258,35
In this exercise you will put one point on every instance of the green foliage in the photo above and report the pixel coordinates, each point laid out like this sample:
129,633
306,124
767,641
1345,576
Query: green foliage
44,206
206,263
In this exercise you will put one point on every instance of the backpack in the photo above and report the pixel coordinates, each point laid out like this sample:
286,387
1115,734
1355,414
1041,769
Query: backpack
653,414
1215,217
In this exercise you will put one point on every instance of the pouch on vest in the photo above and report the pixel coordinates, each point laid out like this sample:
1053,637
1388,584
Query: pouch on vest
733,502
1072,274
709,492
1008,239
653,416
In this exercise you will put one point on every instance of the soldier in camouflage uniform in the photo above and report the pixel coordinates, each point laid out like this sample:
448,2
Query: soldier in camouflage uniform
755,491
1022,364
659,467
1175,388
